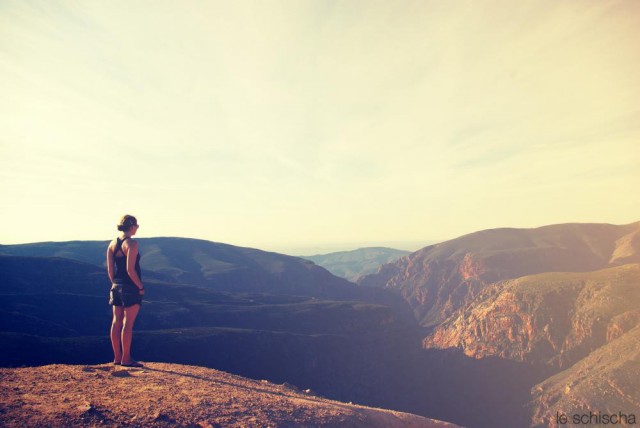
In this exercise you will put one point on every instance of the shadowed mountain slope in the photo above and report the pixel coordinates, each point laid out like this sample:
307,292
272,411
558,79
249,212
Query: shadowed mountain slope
92,252
439,279
220,267
353,264
61,297
198,262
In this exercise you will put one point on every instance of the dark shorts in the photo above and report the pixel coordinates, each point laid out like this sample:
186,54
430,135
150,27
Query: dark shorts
124,295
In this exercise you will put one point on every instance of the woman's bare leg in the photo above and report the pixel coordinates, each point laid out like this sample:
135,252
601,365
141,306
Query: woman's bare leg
130,314
116,331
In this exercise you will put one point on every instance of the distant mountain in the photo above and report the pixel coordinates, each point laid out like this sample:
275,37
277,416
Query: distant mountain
93,252
442,278
353,264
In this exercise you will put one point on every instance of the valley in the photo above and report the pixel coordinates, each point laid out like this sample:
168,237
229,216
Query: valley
500,325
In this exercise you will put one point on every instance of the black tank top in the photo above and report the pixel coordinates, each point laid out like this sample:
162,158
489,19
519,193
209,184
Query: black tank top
121,276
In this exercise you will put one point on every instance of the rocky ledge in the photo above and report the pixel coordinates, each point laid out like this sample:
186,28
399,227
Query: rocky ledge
161,395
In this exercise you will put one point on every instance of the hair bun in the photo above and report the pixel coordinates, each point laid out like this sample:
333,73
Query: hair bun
126,222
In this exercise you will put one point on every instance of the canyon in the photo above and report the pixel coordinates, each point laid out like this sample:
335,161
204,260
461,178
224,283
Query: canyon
500,325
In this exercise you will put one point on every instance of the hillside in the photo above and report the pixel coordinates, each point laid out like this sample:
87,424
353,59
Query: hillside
219,267
173,395
55,310
603,383
61,297
440,279
550,318
193,261
351,265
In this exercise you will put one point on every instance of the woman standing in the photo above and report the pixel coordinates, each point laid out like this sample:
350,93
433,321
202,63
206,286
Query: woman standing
123,266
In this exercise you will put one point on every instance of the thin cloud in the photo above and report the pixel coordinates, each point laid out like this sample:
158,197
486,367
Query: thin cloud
322,120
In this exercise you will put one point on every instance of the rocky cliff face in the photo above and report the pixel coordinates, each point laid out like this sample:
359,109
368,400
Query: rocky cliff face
552,318
560,302
440,279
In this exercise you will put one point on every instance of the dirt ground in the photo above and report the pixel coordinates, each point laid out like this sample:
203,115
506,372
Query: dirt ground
163,395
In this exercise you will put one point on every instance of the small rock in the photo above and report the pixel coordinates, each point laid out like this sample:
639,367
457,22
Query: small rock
87,407
89,411
161,417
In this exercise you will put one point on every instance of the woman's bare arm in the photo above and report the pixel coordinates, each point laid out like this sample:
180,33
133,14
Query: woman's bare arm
110,267
132,254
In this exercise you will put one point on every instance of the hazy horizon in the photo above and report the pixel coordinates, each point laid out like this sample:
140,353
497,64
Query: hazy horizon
311,249
294,125
294,250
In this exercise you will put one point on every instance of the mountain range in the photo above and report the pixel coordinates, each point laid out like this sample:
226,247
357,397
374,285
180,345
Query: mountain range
514,325
440,279
351,265
553,298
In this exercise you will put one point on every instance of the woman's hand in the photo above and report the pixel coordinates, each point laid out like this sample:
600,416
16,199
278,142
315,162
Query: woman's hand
141,291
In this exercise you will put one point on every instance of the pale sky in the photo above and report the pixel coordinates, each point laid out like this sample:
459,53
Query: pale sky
291,125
